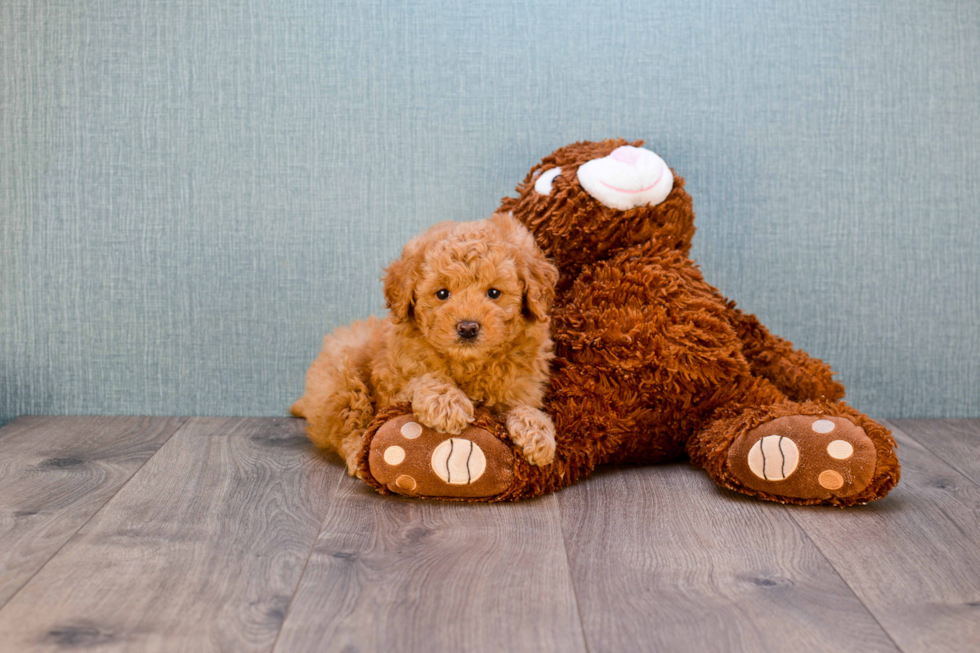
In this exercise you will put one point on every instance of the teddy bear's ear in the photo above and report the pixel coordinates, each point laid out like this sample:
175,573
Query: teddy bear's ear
399,281
537,273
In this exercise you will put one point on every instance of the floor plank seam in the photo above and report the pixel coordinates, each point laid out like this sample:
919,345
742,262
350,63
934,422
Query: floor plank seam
571,578
951,465
843,580
54,555
306,564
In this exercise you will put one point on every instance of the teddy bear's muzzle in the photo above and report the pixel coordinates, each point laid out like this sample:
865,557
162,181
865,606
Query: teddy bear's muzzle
627,178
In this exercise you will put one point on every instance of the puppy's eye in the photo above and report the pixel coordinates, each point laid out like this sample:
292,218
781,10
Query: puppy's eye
493,293
543,185
442,294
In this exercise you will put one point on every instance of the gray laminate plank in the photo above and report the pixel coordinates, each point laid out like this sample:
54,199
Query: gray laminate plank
393,574
55,473
913,557
955,441
664,560
201,551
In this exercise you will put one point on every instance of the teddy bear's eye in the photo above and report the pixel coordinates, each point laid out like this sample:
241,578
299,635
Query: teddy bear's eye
442,294
493,293
543,185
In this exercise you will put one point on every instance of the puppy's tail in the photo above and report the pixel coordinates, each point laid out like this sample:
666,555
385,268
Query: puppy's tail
299,408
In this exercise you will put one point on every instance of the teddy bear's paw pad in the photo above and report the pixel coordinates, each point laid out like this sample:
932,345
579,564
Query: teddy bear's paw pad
411,459
805,457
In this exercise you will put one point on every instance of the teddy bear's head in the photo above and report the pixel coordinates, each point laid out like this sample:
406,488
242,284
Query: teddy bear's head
588,200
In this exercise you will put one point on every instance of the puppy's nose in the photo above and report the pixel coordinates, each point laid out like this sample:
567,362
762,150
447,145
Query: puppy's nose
467,330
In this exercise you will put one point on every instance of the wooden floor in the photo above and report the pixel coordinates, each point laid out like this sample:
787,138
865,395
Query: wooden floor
176,534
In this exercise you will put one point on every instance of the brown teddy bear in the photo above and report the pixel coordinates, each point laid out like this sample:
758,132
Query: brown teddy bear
652,363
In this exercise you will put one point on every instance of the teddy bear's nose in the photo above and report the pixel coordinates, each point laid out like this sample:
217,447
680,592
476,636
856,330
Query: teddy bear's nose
626,154
467,330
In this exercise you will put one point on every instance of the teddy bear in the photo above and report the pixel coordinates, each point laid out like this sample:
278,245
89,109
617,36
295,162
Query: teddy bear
652,364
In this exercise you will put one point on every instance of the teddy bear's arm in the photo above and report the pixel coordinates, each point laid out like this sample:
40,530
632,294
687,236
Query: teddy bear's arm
797,374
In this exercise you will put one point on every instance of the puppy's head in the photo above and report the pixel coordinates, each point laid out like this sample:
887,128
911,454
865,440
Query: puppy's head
471,287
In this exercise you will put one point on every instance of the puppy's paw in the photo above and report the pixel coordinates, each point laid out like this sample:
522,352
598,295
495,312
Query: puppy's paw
449,411
350,451
533,431
352,470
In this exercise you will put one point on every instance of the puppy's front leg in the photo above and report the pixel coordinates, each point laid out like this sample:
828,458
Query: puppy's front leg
439,404
533,431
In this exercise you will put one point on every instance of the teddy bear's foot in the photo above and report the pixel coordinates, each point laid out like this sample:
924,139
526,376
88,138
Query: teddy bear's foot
411,459
804,457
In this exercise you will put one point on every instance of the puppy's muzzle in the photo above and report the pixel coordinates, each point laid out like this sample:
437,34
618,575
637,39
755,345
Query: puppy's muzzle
468,330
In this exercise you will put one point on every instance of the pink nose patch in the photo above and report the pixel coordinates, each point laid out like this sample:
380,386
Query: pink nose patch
626,154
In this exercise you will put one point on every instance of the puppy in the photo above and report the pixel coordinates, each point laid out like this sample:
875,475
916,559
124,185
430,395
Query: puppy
468,325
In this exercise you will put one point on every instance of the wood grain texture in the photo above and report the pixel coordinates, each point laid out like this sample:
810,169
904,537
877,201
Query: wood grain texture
114,537
391,574
955,441
914,557
664,560
201,550
55,473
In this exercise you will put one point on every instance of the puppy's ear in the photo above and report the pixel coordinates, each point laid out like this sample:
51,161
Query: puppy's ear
400,279
537,273
402,276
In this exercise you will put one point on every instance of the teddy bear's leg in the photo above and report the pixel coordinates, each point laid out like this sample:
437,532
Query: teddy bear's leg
482,463
805,453
402,456
794,372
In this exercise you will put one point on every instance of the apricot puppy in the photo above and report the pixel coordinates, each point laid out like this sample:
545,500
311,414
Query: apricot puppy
468,325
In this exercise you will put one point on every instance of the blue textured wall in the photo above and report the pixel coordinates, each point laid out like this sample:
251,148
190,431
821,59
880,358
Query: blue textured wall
193,192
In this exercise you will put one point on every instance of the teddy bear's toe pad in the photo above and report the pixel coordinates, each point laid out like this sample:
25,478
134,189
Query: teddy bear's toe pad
414,460
805,457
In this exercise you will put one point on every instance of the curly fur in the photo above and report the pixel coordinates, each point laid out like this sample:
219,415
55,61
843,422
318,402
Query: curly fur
651,362
417,355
